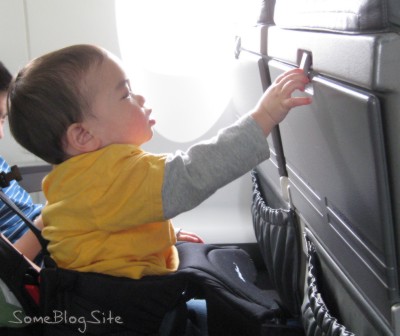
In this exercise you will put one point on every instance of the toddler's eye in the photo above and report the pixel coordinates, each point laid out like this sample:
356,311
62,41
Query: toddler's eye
128,95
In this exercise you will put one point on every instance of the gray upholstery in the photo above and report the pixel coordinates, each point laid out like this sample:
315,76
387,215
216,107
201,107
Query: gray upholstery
356,16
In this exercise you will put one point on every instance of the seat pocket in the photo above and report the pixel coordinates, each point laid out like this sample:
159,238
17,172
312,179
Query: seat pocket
317,320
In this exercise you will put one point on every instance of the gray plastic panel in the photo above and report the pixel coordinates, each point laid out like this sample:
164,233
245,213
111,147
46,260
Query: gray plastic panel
337,169
340,294
368,61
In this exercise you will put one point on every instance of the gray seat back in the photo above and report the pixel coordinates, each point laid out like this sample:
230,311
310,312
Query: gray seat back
342,152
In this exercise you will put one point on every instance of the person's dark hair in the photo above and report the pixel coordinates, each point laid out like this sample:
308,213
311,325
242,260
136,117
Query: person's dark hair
48,95
5,78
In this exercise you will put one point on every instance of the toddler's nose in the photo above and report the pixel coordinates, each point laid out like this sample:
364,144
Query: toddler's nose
140,100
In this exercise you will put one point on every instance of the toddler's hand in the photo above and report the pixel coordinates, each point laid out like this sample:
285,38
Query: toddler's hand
188,237
277,100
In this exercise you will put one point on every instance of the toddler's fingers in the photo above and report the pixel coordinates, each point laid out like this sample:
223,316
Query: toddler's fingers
297,101
291,86
288,74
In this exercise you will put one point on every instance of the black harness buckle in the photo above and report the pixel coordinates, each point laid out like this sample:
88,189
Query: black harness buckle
6,178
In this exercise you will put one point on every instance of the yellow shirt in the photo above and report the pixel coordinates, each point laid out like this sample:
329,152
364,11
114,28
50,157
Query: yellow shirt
105,214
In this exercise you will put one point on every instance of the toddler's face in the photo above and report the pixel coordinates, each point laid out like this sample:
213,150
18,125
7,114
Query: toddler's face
118,115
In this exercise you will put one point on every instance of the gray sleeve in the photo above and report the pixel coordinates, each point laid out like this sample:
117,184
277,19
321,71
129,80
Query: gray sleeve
191,177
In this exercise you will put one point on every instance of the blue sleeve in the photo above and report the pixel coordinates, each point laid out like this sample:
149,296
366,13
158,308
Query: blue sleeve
11,225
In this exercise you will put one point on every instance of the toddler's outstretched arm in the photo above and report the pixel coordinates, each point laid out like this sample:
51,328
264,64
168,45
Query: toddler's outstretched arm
192,176
277,100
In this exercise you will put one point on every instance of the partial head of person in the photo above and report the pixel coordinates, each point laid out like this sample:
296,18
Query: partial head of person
75,100
5,80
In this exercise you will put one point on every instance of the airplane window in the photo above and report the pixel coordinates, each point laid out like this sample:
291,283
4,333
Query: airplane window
179,55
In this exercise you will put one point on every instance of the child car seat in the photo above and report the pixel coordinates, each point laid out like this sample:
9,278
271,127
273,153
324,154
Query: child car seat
224,276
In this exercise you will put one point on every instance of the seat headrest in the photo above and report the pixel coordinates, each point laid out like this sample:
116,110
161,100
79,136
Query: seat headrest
356,16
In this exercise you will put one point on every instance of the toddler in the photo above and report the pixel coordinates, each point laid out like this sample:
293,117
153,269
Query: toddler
110,203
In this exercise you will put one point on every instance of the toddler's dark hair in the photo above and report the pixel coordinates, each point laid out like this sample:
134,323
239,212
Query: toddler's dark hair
48,95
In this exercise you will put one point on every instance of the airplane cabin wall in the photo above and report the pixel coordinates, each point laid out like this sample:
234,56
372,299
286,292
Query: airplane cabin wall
30,28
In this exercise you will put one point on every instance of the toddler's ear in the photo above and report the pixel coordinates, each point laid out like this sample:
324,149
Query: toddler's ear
80,140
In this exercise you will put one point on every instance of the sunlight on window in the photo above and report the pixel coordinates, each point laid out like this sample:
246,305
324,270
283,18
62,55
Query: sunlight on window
179,55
